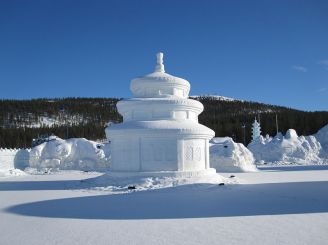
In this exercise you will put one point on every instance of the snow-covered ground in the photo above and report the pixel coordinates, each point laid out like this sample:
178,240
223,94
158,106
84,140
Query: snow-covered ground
277,205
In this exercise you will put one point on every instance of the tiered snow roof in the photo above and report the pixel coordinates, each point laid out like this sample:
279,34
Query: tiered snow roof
159,84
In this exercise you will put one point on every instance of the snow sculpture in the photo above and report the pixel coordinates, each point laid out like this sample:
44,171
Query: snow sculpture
160,132
228,156
289,149
322,137
74,153
256,130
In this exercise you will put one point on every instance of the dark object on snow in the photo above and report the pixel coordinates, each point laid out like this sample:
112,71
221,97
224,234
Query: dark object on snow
221,184
41,139
131,187
232,176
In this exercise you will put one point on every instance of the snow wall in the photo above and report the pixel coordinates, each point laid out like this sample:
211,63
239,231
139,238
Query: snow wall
228,156
291,148
14,158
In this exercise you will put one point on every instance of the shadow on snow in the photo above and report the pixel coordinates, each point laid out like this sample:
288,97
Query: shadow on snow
44,185
292,167
193,201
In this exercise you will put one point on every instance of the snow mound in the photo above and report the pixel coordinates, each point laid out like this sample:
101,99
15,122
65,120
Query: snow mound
75,153
124,182
290,148
322,137
228,156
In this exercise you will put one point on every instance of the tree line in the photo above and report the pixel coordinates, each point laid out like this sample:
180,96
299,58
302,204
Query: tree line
88,117
235,118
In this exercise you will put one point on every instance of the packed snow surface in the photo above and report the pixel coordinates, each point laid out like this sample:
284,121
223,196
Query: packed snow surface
277,205
120,182
75,153
11,172
228,156
290,148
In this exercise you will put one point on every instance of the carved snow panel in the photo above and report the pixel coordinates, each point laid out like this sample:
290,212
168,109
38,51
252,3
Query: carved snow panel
125,155
158,154
194,158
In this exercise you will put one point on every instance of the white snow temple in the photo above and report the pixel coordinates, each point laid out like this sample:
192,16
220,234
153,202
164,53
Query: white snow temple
160,132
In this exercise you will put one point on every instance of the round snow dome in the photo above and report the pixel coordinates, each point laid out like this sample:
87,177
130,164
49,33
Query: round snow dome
291,134
159,84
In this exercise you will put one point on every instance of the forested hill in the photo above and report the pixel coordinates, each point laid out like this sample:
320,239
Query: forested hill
227,118
23,120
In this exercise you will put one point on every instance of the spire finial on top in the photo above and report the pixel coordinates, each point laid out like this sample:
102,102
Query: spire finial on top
159,66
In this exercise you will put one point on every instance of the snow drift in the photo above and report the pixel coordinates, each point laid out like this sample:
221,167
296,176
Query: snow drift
290,148
228,156
322,137
75,153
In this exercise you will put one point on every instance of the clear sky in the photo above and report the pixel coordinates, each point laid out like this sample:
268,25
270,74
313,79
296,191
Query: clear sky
268,51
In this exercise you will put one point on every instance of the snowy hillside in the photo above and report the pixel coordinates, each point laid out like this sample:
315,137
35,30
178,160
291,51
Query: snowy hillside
45,121
216,97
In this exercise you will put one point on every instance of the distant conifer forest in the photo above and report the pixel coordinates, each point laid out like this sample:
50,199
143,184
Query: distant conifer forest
21,121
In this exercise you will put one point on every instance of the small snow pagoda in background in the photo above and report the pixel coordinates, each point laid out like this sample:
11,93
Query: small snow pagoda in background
256,130
160,132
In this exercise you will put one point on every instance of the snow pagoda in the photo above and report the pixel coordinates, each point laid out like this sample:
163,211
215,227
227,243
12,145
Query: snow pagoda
160,132
256,130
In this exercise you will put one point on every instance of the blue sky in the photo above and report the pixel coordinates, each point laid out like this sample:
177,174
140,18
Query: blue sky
268,51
